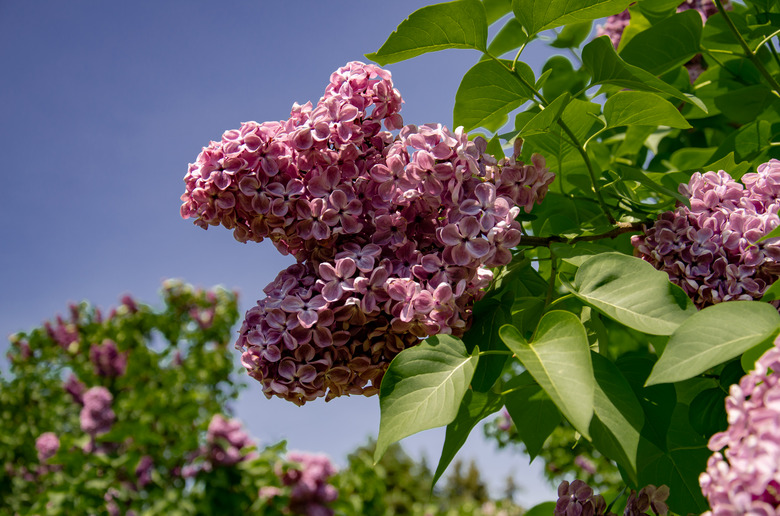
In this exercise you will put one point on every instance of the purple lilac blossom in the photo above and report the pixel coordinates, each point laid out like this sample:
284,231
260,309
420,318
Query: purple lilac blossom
143,471
744,478
107,360
225,441
75,388
310,491
47,445
577,499
711,249
96,416
393,234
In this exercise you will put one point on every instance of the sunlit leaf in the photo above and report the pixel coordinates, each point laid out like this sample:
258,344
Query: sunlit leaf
538,15
666,44
642,108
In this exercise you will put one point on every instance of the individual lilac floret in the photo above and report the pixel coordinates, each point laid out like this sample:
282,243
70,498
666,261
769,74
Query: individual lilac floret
107,360
97,416
225,440
744,478
711,249
47,445
310,491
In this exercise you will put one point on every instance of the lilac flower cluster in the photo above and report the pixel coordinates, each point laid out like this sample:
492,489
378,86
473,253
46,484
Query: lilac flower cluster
47,445
392,234
617,23
96,415
711,249
225,446
577,499
745,477
107,359
310,492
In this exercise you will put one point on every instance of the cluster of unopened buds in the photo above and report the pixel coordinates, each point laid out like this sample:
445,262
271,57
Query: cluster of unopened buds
393,235
711,249
744,478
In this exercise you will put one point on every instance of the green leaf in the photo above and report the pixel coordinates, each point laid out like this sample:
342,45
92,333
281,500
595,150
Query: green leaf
423,388
543,509
666,44
746,142
642,108
488,316
459,24
775,233
573,35
488,92
607,67
618,417
533,412
749,357
496,9
736,170
639,175
538,15
559,360
773,292
543,120
708,412
712,336
510,37
745,104
475,407
632,292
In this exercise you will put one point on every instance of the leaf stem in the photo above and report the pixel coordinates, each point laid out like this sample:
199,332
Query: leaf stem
619,229
517,56
551,282
745,48
495,352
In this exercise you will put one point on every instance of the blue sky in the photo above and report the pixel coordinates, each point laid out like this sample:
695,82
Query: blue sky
103,105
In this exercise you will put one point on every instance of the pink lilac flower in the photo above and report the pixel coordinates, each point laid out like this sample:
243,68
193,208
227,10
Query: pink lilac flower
711,249
47,445
308,479
394,235
107,360
743,475
75,388
96,416
225,441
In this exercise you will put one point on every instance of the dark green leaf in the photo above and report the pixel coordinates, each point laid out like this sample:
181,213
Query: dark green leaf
562,77
642,108
747,142
666,44
712,336
632,292
423,388
745,104
488,92
773,292
573,35
543,120
510,37
618,418
475,407
543,509
483,334
559,360
728,163
496,9
639,175
749,357
538,15
775,233
458,24
607,67
532,411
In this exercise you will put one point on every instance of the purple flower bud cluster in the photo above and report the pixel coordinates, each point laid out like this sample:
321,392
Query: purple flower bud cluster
107,359
75,388
577,499
711,249
310,492
47,445
225,440
745,477
96,416
392,234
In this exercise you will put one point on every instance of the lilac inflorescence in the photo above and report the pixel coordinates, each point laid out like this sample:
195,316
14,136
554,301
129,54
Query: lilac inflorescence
107,360
225,440
745,477
393,234
711,249
96,416
310,491
47,445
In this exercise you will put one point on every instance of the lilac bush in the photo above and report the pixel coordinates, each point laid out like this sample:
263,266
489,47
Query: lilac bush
711,249
743,475
393,235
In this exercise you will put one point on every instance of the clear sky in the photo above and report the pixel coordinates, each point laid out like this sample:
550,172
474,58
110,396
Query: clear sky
103,105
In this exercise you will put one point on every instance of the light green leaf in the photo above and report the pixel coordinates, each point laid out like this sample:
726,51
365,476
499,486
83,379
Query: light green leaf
642,108
573,35
510,37
773,292
639,175
538,15
712,336
666,44
488,92
559,360
475,407
607,67
458,24
772,234
423,388
632,292
543,120
532,411
496,9
618,416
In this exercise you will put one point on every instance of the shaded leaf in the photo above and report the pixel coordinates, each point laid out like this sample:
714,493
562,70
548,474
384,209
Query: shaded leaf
712,336
423,388
483,334
458,24
666,44
543,120
533,412
572,35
